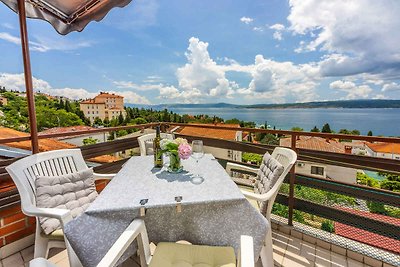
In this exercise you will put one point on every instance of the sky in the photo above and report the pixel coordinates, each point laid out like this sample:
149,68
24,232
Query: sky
240,52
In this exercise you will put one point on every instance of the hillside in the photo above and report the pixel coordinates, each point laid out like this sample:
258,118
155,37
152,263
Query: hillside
368,103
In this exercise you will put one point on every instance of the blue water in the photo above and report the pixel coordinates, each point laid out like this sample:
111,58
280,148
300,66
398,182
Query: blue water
374,175
384,122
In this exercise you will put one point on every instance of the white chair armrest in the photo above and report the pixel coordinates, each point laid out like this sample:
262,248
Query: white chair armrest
62,215
246,253
123,242
101,176
230,166
258,197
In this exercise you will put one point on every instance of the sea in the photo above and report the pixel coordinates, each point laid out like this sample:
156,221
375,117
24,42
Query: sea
382,121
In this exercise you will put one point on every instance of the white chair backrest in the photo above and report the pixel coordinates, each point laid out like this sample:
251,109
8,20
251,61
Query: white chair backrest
150,138
51,163
287,158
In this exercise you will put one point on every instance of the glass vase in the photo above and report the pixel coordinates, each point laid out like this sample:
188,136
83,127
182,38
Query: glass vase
174,163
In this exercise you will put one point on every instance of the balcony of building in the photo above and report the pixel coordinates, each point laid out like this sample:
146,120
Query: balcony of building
319,220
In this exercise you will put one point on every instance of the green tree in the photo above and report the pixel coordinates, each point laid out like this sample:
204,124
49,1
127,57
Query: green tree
391,182
315,130
252,157
139,120
297,129
326,128
270,139
370,133
89,141
367,180
328,226
97,121
68,107
233,121
51,117
120,119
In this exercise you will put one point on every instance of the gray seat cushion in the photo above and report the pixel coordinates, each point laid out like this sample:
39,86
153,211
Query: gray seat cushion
73,192
269,172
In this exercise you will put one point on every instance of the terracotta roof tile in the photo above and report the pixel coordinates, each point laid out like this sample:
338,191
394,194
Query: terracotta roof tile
208,132
385,147
315,143
367,237
45,144
69,129
105,94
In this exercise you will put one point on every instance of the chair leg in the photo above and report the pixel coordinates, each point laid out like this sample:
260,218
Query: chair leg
267,255
41,245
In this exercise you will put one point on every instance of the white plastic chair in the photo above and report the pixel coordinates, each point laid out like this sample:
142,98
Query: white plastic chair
287,158
51,163
137,229
150,138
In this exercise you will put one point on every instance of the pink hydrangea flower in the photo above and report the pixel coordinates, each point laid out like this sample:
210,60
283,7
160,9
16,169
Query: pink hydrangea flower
184,150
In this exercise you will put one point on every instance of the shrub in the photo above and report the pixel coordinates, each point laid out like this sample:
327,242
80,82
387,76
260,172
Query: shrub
328,226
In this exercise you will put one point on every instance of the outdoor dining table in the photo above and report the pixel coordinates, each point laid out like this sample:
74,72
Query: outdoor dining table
214,212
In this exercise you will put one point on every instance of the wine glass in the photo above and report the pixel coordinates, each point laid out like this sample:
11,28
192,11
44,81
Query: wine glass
197,154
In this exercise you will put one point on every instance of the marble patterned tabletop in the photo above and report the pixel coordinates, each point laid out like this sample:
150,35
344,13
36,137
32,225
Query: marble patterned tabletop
214,212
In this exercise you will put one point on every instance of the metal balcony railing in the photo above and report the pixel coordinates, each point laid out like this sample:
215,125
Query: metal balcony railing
315,202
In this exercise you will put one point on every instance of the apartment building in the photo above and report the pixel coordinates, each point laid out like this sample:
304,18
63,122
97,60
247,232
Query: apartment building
104,105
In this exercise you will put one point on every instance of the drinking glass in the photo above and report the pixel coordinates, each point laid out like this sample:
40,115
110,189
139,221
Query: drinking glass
197,154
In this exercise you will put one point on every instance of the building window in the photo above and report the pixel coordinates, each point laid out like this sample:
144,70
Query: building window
317,170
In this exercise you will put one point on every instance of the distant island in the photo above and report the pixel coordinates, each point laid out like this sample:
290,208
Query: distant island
368,103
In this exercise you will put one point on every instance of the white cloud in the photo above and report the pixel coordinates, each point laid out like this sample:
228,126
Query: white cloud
277,81
277,27
8,26
353,91
391,87
362,35
135,86
9,38
44,44
277,35
258,29
17,82
271,80
201,72
152,79
246,20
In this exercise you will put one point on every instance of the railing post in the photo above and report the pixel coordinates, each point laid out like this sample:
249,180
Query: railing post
292,182
163,127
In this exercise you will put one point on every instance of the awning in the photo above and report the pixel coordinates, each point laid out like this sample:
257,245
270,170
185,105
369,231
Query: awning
67,15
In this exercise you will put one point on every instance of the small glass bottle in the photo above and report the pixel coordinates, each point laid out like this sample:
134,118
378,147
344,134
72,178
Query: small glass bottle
158,159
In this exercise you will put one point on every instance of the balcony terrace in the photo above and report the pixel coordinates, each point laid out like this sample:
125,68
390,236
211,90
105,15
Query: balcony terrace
352,235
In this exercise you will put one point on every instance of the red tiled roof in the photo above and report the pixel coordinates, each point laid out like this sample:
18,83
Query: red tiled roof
385,147
69,129
105,94
208,132
45,144
367,237
315,143
93,101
